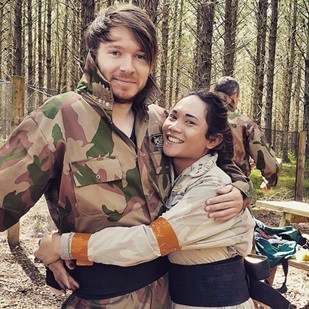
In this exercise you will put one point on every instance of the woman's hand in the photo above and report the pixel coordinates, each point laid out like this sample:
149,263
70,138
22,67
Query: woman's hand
62,276
226,205
49,249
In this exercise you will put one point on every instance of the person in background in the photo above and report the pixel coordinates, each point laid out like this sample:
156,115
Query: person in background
250,145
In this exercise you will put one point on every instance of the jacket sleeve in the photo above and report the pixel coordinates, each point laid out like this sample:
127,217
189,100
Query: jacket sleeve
263,156
185,226
25,168
240,181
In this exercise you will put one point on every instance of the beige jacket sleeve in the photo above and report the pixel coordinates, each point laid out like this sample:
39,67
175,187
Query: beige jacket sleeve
127,246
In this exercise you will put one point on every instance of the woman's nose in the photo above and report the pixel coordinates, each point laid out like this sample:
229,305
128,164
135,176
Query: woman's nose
175,126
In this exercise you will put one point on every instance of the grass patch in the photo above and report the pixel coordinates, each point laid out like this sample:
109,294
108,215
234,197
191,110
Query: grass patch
285,189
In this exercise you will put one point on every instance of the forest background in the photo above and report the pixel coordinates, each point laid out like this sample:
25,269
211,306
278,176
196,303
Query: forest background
264,44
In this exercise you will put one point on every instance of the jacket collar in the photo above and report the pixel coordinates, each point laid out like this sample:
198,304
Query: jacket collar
96,89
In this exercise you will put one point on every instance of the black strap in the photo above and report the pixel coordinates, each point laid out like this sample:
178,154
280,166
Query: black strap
224,283
102,281
267,295
260,291
217,284
285,266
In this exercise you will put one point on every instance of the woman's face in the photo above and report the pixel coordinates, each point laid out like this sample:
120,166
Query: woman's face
184,130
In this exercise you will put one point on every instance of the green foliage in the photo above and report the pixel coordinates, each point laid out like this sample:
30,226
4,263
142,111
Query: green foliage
285,189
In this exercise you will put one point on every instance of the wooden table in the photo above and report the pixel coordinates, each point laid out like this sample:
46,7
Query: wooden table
287,208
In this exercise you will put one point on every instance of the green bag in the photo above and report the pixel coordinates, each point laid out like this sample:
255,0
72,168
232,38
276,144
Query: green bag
278,244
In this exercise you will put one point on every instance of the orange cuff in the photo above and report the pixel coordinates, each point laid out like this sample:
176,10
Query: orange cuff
165,235
79,249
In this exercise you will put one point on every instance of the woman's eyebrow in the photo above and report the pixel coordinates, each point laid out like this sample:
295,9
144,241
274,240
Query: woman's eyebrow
189,115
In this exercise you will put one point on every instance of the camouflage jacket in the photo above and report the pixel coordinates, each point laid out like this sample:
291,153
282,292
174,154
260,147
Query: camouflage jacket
93,176
201,239
249,141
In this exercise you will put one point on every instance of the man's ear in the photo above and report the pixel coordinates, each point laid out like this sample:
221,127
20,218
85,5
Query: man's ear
214,141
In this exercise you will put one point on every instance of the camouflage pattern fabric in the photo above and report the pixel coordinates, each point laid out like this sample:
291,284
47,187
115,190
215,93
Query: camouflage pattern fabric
249,141
202,240
92,175
154,296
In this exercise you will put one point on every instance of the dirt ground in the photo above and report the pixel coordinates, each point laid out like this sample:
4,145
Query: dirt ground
22,281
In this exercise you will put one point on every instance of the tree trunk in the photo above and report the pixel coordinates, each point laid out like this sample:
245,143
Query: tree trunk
231,7
18,61
179,51
204,36
62,80
271,68
48,49
164,53
74,43
173,43
9,39
260,60
151,7
306,96
1,32
40,52
297,94
30,90
290,59
87,16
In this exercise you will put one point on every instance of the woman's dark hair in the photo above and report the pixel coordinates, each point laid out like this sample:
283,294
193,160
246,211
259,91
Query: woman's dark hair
217,121
129,16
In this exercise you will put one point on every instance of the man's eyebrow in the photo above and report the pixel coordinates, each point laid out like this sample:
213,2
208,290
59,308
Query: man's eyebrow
113,45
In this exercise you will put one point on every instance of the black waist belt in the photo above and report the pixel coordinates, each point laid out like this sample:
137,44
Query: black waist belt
101,281
215,284
224,283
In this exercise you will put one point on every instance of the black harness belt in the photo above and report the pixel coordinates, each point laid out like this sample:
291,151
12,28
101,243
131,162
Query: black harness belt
209,285
101,281
223,283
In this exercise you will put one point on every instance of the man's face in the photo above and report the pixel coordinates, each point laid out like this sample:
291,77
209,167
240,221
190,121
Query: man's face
123,64
235,98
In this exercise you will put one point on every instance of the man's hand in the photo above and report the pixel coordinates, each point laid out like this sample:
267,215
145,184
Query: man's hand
49,249
226,205
62,276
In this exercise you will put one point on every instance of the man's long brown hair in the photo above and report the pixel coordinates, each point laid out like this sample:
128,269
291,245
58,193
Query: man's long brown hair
131,17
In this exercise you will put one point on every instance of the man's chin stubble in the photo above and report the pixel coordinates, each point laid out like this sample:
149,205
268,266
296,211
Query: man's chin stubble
123,100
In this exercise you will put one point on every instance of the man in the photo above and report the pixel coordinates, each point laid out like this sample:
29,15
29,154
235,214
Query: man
97,156
249,140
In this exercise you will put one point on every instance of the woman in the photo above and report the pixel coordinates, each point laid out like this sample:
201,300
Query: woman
207,268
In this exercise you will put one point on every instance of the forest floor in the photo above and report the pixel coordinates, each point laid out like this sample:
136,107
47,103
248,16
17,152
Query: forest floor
22,281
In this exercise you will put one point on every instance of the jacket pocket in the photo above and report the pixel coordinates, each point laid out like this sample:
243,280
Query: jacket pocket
98,186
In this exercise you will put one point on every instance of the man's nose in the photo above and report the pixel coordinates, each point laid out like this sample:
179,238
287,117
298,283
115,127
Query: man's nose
127,65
